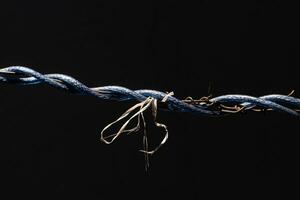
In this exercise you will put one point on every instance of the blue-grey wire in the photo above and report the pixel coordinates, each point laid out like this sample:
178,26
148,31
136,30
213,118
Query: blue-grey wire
276,102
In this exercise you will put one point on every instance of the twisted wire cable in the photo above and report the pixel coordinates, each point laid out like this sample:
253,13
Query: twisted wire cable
156,100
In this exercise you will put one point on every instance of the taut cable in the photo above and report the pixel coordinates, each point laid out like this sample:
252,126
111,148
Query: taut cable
156,100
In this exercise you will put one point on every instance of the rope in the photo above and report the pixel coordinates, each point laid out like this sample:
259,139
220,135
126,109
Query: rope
156,100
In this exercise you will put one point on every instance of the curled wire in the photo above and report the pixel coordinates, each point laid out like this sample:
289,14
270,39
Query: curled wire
156,100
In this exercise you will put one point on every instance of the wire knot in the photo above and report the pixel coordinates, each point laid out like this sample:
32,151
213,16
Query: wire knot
149,103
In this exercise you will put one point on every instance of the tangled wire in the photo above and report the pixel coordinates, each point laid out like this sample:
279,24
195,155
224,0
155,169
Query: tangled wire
156,100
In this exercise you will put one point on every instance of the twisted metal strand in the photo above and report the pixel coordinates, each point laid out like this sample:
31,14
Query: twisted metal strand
118,93
206,106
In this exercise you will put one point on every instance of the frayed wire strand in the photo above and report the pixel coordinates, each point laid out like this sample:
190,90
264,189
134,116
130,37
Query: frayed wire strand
142,107
205,106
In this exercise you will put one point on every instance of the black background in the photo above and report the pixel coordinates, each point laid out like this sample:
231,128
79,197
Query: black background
50,140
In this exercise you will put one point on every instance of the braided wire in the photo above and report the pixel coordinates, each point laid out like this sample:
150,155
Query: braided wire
206,106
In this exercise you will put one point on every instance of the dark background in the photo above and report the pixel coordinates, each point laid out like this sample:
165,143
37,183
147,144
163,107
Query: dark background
50,140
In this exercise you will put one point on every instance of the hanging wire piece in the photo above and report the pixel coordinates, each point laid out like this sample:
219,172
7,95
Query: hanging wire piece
156,100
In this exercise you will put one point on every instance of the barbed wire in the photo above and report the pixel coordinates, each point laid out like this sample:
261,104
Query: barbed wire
156,100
